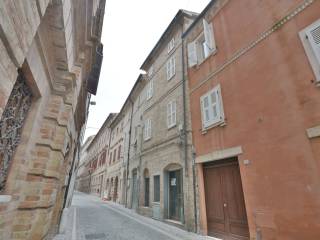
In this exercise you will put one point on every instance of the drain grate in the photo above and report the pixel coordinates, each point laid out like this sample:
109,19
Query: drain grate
99,236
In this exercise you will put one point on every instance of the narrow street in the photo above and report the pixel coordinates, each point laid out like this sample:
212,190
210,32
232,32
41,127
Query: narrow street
93,219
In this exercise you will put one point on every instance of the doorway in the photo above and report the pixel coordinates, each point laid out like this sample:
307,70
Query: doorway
175,195
225,206
134,190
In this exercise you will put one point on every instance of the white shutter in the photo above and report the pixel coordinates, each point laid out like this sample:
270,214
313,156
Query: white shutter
173,66
145,130
149,132
211,107
150,72
214,109
169,114
151,88
192,54
174,113
314,38
168,70
205,110
208,35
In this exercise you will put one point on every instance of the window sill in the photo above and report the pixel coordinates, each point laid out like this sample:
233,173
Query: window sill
5,198
213,53
169,79
218,124
172,126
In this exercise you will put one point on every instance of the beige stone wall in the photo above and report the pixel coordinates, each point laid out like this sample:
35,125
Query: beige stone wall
31,204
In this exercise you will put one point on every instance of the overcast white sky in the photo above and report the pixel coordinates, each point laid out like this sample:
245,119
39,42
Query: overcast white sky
130,31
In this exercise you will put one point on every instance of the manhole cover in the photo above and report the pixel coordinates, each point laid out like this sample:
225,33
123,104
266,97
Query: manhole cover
100,236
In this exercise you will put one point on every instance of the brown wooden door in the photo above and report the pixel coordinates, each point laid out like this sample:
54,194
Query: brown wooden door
226,212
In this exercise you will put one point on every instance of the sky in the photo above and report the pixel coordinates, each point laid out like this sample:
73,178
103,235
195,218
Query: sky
130,31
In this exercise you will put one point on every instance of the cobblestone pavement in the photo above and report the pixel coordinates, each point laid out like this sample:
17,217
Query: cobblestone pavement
93,219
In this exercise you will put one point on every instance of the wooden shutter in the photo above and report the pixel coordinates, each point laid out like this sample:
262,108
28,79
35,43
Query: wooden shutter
313,34
192,54
208,35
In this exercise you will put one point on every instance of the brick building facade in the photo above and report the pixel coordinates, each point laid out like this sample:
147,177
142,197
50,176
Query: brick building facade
47,69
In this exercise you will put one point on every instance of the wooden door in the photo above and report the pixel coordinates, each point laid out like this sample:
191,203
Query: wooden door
225,207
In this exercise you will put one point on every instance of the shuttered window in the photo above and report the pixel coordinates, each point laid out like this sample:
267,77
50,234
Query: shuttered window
171,114
203,46
310,38
147,129
314,38
171,45
150,89
171,67
211,108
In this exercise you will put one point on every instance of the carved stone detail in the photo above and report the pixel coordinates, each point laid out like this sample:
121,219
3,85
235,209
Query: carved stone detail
11,123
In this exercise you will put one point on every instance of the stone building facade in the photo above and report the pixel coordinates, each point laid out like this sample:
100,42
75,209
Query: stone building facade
82,179
254,91
49,62
165,167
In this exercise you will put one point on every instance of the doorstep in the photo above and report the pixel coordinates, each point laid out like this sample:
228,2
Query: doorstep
174,223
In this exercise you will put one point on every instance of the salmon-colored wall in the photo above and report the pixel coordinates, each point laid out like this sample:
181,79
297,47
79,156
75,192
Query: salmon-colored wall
269,101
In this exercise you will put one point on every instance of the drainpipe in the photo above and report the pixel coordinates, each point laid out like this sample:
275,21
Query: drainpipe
127,167
194,190
185,134
184,127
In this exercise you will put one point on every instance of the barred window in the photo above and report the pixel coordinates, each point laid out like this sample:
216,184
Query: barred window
11,123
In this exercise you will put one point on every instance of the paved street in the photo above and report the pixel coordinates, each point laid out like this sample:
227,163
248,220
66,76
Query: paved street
93,219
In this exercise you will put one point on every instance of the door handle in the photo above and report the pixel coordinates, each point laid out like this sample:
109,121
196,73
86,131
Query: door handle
224,205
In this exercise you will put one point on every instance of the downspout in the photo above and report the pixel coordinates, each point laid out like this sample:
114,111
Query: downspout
185,134
127,167
184,127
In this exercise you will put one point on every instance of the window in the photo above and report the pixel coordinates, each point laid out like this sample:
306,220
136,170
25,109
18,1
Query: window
150,72
119,152
203,46
146,191
110,158
171,114
156,188
171,45
211,108
114,155
135,132
147,129
150,89
171,67
11,124
310,38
